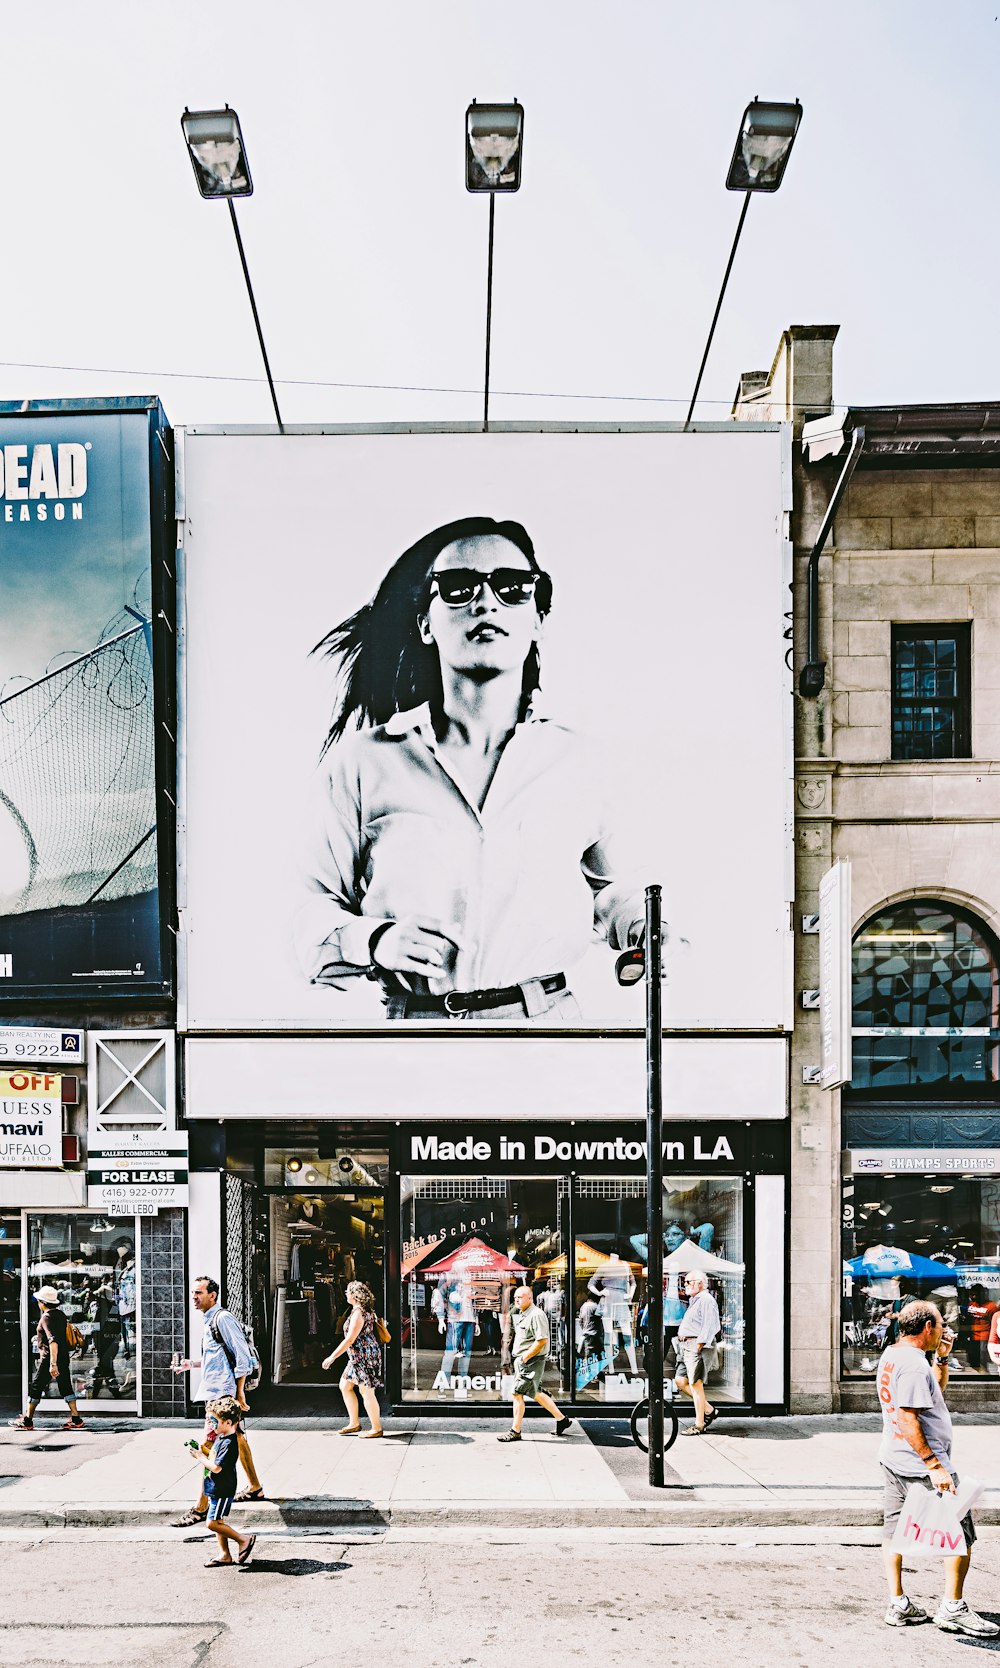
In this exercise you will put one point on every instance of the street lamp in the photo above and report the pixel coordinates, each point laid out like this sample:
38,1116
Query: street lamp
493,144
219,159
629,969
763,146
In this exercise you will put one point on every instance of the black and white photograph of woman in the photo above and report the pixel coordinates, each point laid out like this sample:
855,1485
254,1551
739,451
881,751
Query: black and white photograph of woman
462,852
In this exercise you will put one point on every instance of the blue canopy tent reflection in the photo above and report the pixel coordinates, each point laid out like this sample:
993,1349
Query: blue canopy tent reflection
885,1261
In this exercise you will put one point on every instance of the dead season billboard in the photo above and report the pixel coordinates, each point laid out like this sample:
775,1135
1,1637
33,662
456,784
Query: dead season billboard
451,701
84,496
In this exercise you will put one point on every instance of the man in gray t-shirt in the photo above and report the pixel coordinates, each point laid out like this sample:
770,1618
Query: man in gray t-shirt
916,1447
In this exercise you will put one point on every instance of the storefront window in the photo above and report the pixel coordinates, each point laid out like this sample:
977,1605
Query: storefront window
466,1244
927,1236
92,1263
10,1303
702,1229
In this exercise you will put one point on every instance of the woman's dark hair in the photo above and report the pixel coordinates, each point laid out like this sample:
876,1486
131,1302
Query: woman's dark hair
385,666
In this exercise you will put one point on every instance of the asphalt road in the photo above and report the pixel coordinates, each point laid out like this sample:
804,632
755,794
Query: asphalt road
446,1599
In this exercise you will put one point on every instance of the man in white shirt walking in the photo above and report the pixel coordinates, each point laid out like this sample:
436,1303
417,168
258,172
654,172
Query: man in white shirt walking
696,1351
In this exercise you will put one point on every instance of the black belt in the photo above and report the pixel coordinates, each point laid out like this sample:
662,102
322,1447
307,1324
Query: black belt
458,1002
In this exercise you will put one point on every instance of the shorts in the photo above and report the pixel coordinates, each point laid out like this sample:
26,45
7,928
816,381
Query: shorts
528,1376
894,1495
41,1380
694,1364
220,1508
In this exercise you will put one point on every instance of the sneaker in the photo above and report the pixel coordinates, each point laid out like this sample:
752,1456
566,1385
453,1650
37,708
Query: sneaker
562,1425
906,1615
965,1621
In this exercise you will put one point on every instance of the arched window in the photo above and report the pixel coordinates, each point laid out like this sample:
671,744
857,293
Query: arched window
926,1001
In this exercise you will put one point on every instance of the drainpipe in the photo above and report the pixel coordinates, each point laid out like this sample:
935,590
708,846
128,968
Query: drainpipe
813,674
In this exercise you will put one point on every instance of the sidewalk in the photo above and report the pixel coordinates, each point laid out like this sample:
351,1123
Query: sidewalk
440,1472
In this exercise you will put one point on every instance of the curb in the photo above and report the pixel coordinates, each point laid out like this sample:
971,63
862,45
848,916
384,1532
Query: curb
353,1514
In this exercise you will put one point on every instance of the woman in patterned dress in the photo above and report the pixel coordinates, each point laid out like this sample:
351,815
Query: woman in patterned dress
364,1362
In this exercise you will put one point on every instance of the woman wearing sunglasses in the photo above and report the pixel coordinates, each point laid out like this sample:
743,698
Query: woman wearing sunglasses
462,855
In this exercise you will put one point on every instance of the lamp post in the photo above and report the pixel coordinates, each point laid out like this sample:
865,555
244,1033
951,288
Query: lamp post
763,146
219,159
630,968
493,141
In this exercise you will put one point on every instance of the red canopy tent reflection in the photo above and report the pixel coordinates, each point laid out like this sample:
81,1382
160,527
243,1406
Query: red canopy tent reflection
475,1257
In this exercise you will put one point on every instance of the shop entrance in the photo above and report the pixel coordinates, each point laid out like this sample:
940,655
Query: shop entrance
318,1242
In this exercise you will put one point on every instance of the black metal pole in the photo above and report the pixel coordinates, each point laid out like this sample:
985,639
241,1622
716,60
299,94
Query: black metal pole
256,318
654,1182
489,316
718,309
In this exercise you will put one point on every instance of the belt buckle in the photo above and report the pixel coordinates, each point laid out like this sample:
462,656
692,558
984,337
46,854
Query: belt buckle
453,1005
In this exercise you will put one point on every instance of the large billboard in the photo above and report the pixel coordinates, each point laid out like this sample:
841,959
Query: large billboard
80,507
451,701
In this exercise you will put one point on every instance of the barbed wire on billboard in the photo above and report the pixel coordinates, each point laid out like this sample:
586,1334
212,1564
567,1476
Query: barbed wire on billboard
78,779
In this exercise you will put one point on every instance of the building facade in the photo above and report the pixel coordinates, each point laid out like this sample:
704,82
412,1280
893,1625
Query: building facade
895,1176
482,1144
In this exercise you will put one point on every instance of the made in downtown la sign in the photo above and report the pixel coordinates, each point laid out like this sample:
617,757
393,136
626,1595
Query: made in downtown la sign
578,1148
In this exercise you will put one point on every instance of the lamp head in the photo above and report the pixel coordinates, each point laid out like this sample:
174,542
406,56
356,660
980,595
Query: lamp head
763,147
218,157
493,135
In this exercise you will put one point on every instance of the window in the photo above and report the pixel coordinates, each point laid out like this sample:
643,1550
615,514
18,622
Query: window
931,692
926,1001
91,1261
703,1230
928,1236
467,1242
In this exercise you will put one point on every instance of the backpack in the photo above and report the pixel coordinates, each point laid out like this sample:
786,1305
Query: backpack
254,1375
74,1337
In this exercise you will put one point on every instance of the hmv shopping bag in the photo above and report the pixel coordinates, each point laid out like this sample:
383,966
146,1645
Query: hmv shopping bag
930,1523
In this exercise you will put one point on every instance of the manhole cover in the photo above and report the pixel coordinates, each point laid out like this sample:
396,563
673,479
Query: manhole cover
49,1447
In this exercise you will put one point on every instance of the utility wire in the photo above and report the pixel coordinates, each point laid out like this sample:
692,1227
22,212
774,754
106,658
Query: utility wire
371,387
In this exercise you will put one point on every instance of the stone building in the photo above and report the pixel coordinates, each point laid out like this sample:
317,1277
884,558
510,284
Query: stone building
895,1180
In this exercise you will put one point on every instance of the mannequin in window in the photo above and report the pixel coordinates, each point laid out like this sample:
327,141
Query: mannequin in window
455,1308
614,1284
107,1339
552,1303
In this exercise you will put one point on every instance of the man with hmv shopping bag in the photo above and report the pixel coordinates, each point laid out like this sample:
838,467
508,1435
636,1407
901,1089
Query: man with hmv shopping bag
916,1448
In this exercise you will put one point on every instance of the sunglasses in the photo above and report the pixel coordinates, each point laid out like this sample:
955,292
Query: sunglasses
457,587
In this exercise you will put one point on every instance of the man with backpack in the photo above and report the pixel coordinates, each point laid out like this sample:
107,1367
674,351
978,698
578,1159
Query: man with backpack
227,1362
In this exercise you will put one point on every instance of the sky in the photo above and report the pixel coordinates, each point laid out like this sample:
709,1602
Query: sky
369,257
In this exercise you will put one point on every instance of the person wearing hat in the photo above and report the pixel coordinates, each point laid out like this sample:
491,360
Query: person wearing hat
53,1362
